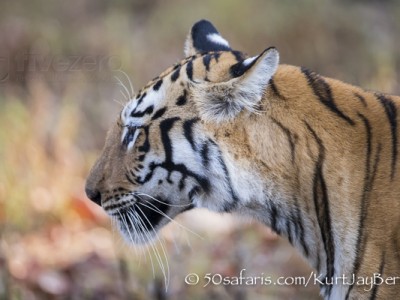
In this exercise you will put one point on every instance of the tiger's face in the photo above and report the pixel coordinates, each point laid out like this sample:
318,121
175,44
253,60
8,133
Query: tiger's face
161,156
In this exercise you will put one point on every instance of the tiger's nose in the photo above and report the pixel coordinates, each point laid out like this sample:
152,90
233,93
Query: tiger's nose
93,195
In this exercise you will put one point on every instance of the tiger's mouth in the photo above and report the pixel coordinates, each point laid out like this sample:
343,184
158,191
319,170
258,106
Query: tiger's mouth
137,218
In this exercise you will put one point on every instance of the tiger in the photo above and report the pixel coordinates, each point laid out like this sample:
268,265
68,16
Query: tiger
313,158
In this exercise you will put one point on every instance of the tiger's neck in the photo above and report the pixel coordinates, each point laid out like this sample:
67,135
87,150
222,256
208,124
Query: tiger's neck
302,213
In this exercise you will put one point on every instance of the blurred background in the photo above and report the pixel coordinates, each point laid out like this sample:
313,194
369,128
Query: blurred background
59,94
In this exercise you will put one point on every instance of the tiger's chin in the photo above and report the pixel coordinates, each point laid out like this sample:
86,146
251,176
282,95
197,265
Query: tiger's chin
137,229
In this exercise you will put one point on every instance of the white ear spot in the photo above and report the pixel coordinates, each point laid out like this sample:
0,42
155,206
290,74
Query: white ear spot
217,39
248,61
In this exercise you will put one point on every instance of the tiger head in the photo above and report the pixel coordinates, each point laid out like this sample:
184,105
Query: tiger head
163,156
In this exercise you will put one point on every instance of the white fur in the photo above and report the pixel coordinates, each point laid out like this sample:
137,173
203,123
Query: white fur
217,39
131,143
188,48
249,60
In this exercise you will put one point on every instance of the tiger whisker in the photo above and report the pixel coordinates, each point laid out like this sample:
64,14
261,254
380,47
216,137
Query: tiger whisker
125,224
167,272
120,83
155,250
142,236
114,225
130,82
124,95
137,234
162,202
116,101
157,210
187,240
141,239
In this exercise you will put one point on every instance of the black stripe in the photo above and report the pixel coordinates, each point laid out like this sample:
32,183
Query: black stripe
182,183
289,137
189,70
182,98
323,91
362,234
121,206
300,227
131,173
396,245
361,98
289,230
140,114
364,197
368,132
204,152
216,56
188,132
321,202
141,98
229,206
145,147
206,61
165,126
238,55
274,89
274,217
158,84
159,113
375,288
391,113
193,192
175,75
171,167
129,179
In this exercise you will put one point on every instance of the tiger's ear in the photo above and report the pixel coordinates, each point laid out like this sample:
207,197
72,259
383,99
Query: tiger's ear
204,37
218,102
